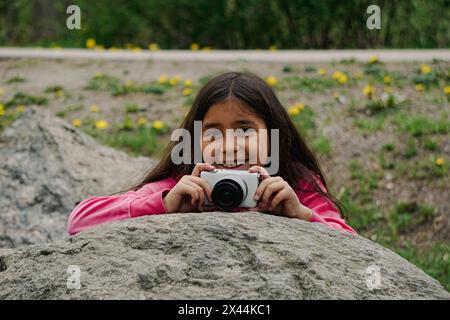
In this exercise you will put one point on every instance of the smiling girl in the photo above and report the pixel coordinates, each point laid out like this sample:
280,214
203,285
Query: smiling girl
229,101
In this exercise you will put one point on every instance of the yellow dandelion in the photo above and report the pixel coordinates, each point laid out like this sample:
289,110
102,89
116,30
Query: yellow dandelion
206,48
300,106
173,81
129,83
162,79
446,90
158,124
419,87
271,81
99,75
373,59
336,75
76,122
369,91
425,69
440,162
2,110
322,71
141,121
187,91
91,43
195,46
20,108
101,124
99,47
388,89
94,108
273,48
59,94
153,47
387,79
342,78
2,92
293,111
187,83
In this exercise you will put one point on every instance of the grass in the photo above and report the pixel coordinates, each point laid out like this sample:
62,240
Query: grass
407,215
21,98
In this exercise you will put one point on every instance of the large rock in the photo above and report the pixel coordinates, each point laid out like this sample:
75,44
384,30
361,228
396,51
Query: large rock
46,167
212,255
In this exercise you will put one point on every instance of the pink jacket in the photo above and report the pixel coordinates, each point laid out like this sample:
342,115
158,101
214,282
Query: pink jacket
149,200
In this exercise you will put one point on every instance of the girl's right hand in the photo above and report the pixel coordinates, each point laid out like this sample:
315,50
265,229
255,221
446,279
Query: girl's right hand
189,193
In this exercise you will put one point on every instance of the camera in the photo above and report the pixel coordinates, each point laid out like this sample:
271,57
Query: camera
231,188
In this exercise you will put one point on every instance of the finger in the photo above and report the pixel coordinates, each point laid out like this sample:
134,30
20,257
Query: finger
203,184
271,190
200,193
262,186
282,195
199,167
263,174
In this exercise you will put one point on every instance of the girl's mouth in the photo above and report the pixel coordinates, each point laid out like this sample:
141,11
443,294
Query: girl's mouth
233,166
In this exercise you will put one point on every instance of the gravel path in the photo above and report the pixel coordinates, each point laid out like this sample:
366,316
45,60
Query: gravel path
230,55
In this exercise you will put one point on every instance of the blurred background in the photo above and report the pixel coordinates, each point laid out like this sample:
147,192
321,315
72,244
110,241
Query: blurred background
381,127
227,24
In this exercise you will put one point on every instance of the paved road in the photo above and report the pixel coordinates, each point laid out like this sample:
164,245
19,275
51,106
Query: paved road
230,55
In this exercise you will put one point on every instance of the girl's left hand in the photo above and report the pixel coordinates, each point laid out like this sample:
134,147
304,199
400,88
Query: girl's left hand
277,196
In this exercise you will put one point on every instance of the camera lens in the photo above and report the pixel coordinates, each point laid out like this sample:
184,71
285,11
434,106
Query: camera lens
227,194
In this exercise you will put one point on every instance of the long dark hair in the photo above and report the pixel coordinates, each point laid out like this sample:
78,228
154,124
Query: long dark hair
297,161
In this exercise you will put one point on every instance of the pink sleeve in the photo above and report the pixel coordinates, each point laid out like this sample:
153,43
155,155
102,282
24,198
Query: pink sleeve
96,210
323,210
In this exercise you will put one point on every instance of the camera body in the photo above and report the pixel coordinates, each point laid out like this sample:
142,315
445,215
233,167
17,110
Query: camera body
231,188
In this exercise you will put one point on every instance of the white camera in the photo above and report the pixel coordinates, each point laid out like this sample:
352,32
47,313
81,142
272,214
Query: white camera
231,188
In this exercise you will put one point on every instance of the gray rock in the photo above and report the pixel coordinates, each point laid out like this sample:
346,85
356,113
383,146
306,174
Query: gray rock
46,167
212,255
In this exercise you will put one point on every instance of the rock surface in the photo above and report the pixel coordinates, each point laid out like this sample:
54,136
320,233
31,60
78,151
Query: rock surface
212,255
46,167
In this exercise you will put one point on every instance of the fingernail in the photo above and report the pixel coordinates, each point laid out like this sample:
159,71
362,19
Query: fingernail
256,197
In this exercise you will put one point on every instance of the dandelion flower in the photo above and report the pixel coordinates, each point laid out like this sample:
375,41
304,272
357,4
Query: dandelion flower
141,121
129,84
293,111
99,47
440,162
387,79
173,81
273,48
2,92
322,71
446,90
158,124
188,83
162,79
101,124
20,108
187,91
2,110
99,75
76,122
91,43
419,87
59,94
206,49
94,108
369,91
388,90
342,78
195,47
373,59
336,75
425,69
153,47
271,81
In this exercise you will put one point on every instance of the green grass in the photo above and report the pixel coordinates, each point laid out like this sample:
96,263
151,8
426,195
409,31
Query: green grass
306,84
15,79
21,98
434,261
116,87
419,125
407,215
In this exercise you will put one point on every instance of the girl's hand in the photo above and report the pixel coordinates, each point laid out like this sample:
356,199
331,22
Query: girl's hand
277,196
189,193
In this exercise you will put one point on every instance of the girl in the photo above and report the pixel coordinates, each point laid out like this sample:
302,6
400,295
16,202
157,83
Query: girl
229,101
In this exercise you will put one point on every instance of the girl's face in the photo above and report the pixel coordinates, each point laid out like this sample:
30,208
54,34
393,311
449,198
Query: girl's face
239,150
